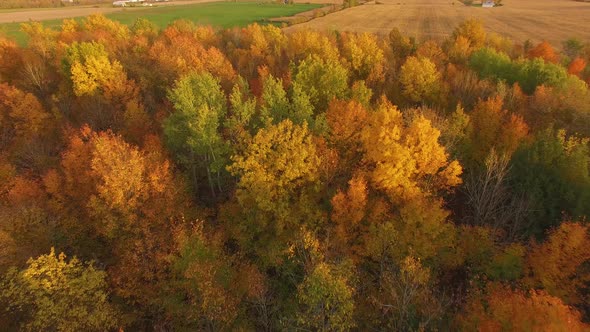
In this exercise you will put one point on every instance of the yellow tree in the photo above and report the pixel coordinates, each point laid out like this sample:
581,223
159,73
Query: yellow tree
108,32
60,295
90,68
406,161
365,57
303,43
473,31
420,80
100,84
276,174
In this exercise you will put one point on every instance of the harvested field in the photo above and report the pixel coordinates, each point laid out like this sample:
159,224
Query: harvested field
551,20
45,14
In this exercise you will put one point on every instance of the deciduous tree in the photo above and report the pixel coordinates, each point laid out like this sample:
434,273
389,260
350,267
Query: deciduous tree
52,293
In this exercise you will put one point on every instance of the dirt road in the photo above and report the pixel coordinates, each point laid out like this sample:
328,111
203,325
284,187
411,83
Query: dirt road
551,20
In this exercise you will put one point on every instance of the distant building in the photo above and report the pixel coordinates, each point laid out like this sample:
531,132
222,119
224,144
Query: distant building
130,3
488,4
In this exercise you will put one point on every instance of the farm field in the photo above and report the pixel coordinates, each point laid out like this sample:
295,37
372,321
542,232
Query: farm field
217,14
551,20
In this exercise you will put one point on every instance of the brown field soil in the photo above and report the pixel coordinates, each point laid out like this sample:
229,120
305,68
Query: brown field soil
37,14
551,20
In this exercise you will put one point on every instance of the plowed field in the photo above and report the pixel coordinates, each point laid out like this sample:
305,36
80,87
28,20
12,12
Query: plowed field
551,20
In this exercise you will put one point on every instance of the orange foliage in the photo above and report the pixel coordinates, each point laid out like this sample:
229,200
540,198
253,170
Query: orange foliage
10,59
555,265
432,51
544,51
494,128
348,209
182,48
346,120
22,112
504,309
258,46
23,191
98,27
576,66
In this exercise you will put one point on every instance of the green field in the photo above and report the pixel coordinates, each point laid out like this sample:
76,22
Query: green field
216,14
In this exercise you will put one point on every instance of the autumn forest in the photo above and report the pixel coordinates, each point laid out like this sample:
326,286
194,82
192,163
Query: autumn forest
247,179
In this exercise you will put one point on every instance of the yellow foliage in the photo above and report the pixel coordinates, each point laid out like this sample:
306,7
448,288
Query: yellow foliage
473,31
59,295
121,170
303,43
365,56
91,69
407,160
420,79
279,159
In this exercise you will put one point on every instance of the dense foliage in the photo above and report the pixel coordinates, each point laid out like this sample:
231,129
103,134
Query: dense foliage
245,179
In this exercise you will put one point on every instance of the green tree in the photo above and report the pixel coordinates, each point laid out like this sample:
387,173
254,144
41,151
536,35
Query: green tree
322,80
553,173
489,63
275,104
192,131
325,298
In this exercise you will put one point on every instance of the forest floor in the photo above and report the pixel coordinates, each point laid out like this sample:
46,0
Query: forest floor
535,20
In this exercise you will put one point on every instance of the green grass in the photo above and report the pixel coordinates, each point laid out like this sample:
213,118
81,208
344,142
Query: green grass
216,14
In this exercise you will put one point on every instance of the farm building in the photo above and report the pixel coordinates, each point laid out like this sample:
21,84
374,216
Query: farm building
130,3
